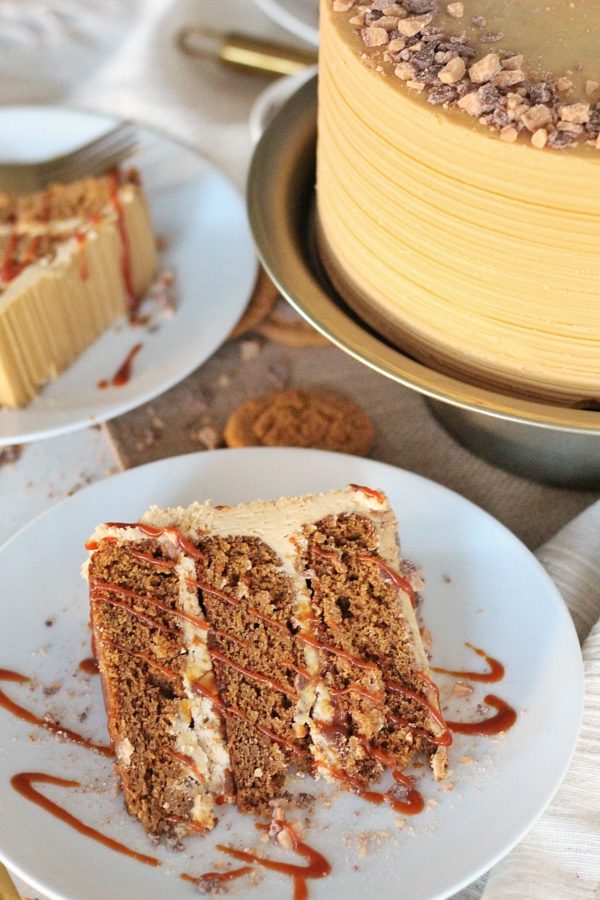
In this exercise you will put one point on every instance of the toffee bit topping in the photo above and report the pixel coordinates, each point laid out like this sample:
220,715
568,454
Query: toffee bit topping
456,10
496,88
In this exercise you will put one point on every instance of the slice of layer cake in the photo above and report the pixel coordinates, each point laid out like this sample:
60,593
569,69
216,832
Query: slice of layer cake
73,258
239,643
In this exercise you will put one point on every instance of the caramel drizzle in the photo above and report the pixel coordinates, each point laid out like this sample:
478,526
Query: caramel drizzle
170,674
203,691
218,877
84,269
396,578
183,543
496,672
378,495
125,247
27,716
444,739
504,719
397,687
8,271
154,560
187,762
318,866
98,593
24,782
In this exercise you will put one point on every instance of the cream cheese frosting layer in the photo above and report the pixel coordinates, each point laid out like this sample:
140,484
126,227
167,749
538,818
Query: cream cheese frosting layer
477,256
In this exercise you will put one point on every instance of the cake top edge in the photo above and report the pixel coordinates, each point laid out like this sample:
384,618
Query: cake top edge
525,80
284,516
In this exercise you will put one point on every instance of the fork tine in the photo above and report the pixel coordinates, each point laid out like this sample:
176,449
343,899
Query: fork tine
109,136
96,166
92,159
90,156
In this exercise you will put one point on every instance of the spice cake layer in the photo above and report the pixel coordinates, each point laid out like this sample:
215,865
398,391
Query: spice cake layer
312,656
73,259
458,149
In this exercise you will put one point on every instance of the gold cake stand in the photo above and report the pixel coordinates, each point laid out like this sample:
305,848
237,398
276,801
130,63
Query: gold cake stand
535,439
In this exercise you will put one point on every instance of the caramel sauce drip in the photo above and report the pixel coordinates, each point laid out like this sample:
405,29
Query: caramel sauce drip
84,267
395,577
187,762
183,543
496,672
9,271
504,719
170,674
27,716
318,866
125,247
89,666
199,687
158,561
411,806
377,495
24,783
123,374
397,687
211,878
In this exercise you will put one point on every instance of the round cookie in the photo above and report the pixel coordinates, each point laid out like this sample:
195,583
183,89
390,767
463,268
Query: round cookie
261,303
301,418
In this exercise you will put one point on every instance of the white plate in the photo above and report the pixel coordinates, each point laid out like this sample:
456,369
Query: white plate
209,248
301,17
269,102
482,585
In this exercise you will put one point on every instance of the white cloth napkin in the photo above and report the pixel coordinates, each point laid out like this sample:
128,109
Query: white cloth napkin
560,857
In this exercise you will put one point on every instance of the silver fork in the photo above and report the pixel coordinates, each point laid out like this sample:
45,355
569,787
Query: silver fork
94,158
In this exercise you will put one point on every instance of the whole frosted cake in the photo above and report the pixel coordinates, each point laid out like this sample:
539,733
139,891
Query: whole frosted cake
458,173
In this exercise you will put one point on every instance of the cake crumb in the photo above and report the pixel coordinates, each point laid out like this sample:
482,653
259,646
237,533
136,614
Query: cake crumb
461,689
456,10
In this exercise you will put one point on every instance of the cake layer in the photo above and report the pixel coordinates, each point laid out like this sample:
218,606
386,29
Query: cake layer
475,255
171,756
64,280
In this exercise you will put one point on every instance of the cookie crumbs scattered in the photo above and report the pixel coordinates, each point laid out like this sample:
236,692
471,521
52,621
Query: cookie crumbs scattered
10,454
456,10
207,436
462,689
249,350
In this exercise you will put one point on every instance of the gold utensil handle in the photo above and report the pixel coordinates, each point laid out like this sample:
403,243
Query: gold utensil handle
244,52
7,889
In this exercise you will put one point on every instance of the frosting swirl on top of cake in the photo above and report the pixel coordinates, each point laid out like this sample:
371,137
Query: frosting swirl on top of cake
528,70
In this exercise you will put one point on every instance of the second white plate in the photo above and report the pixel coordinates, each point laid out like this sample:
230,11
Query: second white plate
202,219
482,585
